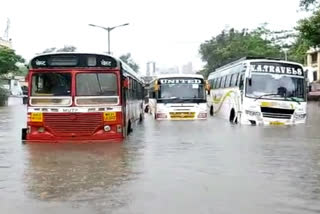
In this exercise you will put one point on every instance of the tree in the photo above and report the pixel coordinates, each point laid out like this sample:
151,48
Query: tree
9,60
232,44
49,50
66,48
309,29
306,4
126,58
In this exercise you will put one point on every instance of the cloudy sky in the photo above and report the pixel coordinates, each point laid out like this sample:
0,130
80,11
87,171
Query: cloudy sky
165,31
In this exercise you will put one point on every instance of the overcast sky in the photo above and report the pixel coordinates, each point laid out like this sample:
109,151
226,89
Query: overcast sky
165,31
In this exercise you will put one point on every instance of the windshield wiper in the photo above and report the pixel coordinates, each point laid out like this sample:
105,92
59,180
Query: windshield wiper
264,95
293,99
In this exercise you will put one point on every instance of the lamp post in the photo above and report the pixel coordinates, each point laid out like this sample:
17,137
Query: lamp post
108,29
285,50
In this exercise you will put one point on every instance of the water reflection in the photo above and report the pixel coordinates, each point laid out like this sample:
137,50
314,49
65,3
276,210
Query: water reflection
77,172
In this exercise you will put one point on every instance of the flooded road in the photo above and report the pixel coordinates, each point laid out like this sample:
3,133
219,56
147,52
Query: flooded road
165,167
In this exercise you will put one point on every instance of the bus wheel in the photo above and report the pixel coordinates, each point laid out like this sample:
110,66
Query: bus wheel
233,118
129,130
24,135
146,109
211,111
141,118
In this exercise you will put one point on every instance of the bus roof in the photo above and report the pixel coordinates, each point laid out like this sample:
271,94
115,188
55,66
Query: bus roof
81,59
252,59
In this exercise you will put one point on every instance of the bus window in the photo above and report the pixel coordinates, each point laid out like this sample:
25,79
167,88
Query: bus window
227,84
214,83
241,79
218,83
234,79
223,81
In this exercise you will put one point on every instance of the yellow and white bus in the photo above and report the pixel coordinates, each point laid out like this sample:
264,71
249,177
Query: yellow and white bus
258,91
178,97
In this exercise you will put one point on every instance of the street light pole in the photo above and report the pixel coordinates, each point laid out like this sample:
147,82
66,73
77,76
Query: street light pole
108,29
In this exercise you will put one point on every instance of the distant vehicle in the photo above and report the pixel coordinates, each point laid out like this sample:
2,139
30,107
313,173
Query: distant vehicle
82,97
259,91
178,97
12,85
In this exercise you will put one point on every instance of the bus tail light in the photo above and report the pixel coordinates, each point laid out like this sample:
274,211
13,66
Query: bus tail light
202,115
161,115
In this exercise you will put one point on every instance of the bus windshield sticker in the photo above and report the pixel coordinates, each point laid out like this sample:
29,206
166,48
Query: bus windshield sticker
195,86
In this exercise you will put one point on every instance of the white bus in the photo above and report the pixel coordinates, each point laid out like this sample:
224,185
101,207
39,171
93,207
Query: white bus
258,91
178,97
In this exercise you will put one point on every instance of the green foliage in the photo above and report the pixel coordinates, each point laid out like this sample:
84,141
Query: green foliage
66,48
297,51
9,60
126,58
232,44
309,29
306,4
22,70
49,50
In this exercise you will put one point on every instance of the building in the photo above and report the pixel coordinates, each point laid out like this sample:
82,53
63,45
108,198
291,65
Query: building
187,68
313,61
172,70
151,66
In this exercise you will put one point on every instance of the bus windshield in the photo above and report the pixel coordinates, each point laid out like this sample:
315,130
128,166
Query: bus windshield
96,84
275,86
182,91
51,84
96,89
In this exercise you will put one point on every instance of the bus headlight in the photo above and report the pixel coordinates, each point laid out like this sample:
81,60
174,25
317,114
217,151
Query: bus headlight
107,128
202,115
299,116
41,129
253,113
161,115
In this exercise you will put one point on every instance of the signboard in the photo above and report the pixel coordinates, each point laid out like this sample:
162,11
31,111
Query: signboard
276,68
73,60
180,81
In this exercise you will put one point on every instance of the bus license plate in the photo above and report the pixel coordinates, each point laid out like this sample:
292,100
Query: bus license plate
36,117
110,116
276,123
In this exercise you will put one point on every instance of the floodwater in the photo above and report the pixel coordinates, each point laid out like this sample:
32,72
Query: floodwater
165,167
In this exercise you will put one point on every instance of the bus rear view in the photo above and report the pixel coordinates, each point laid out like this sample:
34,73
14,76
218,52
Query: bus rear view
178,97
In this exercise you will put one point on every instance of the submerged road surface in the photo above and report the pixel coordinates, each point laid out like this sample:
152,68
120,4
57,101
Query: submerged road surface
165,167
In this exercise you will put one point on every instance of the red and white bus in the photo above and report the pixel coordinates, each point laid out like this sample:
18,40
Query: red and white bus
82,97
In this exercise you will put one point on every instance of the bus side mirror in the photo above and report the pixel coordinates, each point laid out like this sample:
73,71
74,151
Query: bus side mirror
250,82
126,83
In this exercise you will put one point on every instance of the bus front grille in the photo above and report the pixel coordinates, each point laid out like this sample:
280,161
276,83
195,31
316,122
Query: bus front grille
73,124
278,116
178,115
277,113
